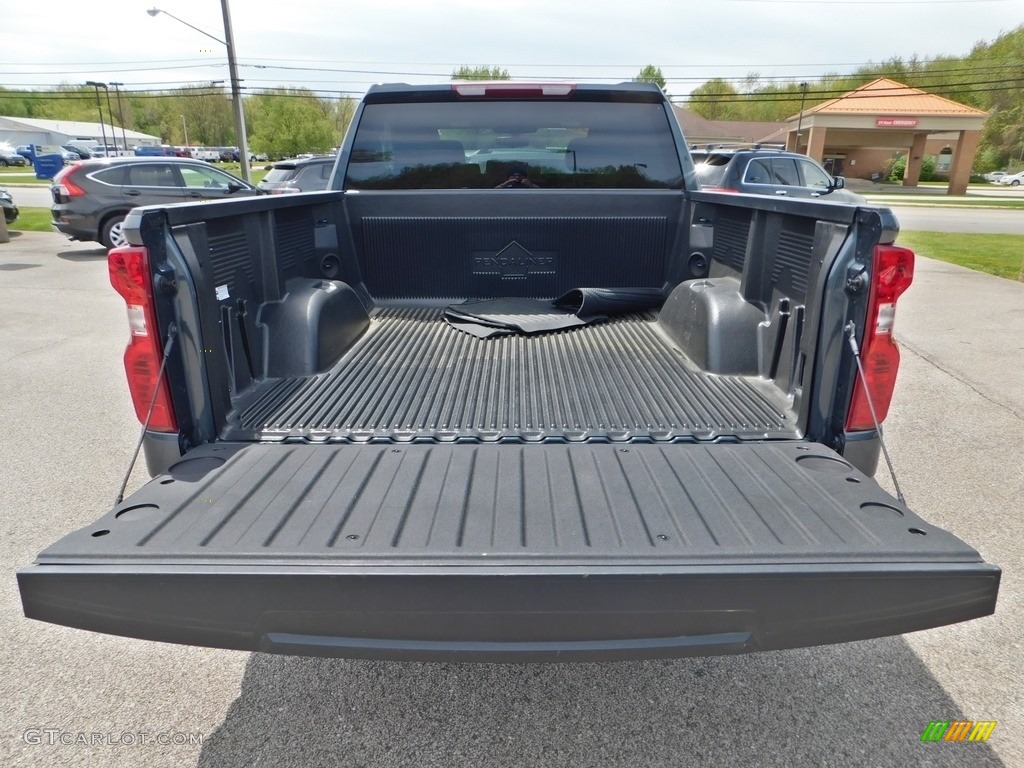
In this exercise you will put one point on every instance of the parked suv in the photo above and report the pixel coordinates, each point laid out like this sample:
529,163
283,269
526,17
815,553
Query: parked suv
762,171
9,157
310,174
91,198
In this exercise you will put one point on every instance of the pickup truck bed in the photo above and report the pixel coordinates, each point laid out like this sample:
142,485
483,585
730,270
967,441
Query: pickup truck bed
413,377
339,472
630,489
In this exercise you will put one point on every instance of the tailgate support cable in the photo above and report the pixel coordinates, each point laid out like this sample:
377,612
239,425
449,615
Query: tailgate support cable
850,331
172,332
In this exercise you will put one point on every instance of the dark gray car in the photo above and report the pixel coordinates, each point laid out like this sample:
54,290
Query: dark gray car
776,172
310,174
91,198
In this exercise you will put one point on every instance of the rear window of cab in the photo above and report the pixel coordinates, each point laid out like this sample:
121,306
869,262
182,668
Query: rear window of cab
502,144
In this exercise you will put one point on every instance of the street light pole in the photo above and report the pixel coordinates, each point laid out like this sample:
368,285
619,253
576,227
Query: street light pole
185,131
99,108
120,113
236,90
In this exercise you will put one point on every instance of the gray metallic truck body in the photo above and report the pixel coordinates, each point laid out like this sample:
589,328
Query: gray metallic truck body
351,477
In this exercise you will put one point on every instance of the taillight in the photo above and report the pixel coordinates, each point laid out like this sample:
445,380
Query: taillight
129,274
65,184
892,274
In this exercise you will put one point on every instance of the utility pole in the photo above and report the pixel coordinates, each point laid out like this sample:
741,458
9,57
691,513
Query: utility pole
236,94
120,113
800,121
236,89
110,116
185,131
99,108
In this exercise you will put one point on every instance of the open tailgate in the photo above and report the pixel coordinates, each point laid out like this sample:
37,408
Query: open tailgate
509,552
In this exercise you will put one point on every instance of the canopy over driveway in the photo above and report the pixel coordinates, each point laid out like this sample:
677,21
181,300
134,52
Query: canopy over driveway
885,114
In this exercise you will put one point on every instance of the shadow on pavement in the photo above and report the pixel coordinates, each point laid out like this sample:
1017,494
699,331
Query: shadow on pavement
862,703
93,254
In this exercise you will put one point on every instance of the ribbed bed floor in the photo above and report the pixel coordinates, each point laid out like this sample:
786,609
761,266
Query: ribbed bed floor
411,376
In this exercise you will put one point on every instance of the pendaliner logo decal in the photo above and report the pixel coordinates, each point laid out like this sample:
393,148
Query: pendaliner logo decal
513,262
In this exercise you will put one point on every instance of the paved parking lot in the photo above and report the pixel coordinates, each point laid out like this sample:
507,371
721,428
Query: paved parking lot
66,432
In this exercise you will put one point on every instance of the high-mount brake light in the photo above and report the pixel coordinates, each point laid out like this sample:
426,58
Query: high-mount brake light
891,275
501,89
130,276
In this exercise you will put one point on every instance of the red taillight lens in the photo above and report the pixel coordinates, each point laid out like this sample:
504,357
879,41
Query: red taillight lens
65,183
892,274
129,274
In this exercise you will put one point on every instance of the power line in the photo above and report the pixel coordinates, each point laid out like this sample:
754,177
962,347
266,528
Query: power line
576,65
762,94
769,81
324,93
918,73
865,2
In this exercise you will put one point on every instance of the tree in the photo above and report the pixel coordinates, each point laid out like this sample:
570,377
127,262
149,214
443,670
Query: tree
988,78
716,99
287,121
208,116
894,169
480,73
651,74
344,110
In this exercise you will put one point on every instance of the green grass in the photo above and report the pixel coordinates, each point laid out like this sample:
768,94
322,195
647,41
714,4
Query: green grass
256,170
999,255
32,220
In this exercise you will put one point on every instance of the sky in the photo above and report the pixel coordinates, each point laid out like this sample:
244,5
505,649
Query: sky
343,46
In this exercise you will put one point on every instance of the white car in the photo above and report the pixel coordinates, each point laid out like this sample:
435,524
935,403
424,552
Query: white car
994,176
1012,180
209,154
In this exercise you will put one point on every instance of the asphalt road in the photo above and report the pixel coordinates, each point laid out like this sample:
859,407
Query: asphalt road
956,433
981,220
30,197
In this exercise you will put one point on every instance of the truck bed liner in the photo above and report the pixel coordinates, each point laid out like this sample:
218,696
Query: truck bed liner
413,377
512,504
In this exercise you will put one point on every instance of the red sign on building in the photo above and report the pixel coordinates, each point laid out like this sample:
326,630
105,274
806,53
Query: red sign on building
896,122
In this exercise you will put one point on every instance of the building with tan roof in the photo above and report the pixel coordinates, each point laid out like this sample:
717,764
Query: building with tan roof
857,132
